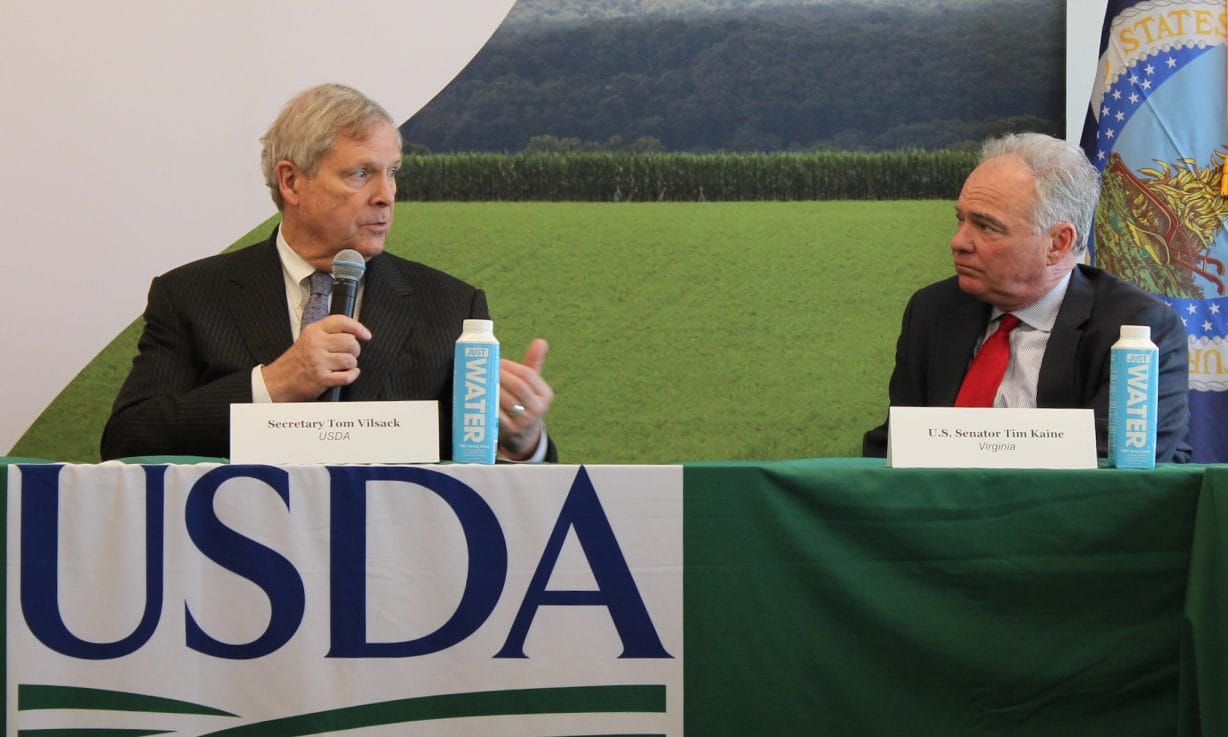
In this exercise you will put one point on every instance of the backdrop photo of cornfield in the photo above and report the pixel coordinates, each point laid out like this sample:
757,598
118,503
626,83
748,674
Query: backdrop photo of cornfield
678,331
669,177
714,210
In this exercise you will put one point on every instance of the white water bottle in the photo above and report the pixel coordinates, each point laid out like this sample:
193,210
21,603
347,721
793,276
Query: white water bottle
1134,388
475,394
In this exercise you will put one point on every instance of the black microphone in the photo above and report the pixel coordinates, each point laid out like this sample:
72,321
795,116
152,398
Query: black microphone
348,268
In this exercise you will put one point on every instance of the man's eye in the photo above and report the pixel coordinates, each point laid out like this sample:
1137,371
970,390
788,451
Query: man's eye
359,174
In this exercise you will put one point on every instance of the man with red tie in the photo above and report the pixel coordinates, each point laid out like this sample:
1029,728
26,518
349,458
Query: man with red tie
1023,323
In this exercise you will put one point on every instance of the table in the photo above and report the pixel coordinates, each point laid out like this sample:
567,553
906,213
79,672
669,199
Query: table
837,596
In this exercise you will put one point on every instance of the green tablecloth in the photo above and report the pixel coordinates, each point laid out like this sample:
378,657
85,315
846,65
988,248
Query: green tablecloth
841,597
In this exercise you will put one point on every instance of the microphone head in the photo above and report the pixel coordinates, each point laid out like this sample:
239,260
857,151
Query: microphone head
348,265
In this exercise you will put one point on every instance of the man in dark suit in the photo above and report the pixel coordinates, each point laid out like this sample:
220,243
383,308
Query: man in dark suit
1021,218
226,329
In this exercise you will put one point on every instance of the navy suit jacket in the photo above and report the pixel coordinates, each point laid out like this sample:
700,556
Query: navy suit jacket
208,323
942,324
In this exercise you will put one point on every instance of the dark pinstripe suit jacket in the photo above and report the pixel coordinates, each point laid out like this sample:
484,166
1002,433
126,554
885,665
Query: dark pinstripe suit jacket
942,325
209,322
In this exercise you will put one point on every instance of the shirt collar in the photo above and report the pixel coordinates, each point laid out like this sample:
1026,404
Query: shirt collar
1041,314
292,264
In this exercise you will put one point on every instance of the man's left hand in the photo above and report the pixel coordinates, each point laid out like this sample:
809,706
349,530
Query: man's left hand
524,399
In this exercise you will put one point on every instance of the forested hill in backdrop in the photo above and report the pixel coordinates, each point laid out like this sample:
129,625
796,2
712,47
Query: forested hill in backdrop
754,75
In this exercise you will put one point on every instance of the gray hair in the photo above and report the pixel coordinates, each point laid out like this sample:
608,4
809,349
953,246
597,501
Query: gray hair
309,124
1067,185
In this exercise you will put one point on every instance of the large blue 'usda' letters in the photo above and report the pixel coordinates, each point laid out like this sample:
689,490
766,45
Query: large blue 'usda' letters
281,583
40,565
616,589
348,577
261,565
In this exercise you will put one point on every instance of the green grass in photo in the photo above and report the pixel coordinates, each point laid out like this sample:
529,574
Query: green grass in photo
678,331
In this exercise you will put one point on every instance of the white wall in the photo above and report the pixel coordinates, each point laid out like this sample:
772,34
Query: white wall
1084,19
130,144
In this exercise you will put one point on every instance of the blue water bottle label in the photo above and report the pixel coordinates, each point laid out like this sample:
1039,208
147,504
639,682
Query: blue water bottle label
475,403
1133,401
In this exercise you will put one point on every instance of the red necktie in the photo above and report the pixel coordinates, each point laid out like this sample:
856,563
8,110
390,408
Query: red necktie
981,382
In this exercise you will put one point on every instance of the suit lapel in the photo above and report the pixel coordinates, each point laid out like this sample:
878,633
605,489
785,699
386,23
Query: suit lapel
955,338
387,312
257,302
1058,384
255,296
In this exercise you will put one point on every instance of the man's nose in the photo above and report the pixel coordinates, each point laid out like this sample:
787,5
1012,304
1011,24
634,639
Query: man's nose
385,191
960,240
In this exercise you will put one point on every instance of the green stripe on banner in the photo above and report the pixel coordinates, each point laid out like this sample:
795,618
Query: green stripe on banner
850,598
574,700
32,697
91,732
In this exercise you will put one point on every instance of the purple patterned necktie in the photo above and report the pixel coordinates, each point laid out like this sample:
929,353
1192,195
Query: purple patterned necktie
317,303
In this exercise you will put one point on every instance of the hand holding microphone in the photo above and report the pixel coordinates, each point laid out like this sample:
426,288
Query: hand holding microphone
325,356
348,269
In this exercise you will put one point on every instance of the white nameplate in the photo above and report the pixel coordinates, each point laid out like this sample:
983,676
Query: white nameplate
960,437
335,432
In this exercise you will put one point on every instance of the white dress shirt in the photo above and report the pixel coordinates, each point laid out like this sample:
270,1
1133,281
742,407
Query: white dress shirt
1028,342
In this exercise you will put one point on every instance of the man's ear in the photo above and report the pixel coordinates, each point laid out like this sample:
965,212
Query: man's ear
289,177
1061,242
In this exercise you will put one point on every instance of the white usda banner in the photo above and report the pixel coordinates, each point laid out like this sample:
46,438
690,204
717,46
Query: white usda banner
261,600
